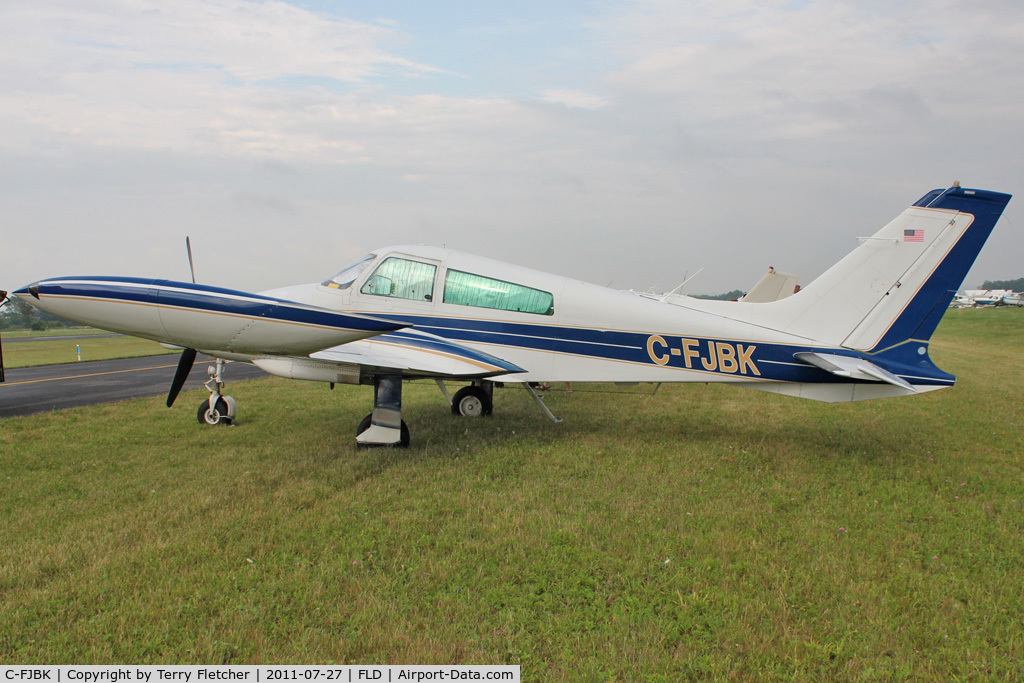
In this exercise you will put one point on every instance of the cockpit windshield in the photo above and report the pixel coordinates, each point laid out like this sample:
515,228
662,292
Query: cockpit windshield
348,274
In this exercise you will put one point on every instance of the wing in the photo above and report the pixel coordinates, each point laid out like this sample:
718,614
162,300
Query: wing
410,353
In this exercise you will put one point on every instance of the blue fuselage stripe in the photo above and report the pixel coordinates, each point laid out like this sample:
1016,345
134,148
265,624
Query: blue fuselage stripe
739,358
213,299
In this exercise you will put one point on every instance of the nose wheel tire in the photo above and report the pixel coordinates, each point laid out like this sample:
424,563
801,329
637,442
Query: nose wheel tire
218,415
472,401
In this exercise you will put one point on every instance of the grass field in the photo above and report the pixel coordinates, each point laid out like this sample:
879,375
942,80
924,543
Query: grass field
700,533
55,332
58,351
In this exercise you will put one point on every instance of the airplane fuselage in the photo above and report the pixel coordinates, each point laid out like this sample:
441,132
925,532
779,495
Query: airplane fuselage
597,334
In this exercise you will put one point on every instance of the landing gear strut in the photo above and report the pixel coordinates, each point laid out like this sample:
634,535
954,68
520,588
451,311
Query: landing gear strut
384,426
217,409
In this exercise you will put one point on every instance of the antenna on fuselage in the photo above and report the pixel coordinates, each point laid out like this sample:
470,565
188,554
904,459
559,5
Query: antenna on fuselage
191,267
683,284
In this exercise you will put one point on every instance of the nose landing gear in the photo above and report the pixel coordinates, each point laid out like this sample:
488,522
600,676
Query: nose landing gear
217,409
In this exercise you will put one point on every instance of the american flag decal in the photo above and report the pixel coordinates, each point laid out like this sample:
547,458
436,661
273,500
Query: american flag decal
913,235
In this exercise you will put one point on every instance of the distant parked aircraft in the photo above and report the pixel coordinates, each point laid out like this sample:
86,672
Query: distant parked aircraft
973,298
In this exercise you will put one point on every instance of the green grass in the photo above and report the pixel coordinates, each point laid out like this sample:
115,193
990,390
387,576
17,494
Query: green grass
58,351
54,332
704,532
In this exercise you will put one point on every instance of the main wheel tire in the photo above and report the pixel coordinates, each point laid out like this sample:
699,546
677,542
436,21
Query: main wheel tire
365,423
472,401
217,416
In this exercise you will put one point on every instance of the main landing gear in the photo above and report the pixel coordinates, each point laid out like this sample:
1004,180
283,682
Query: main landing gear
384,426
476,400
217,409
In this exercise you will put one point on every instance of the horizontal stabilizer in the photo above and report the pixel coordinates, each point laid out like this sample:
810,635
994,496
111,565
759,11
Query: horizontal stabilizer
773,286
853,368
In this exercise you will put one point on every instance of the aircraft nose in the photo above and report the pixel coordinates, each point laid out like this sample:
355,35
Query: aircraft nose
28,290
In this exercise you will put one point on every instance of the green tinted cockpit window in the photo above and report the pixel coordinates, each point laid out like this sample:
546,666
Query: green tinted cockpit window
466,289
403,279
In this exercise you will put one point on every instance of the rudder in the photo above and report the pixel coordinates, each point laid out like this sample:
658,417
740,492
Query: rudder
916,319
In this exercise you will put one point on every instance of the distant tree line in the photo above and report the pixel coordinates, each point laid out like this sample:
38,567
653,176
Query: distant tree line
17,315
728,296
1015,285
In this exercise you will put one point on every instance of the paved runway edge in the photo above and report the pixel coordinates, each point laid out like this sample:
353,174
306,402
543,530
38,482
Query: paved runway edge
55,387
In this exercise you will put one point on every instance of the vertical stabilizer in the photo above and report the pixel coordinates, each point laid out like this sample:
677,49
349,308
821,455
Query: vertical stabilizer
934,279
896,285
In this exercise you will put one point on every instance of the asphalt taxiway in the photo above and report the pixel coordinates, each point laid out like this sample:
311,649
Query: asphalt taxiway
55,387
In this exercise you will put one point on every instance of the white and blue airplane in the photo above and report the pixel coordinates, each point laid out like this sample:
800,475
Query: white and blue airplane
859,331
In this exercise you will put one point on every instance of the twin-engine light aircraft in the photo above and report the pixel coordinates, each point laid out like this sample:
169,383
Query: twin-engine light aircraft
859,331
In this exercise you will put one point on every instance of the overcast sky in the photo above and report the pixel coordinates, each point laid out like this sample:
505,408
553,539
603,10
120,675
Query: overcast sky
622,142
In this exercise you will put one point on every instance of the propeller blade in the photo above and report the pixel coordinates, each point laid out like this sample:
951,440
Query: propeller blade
188,247
3,300
188,357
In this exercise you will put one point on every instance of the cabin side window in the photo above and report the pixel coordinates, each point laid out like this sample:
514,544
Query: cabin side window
402,279
467,289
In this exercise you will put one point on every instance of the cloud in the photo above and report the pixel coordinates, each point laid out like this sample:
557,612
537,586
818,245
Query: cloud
249,41
662,136
226,77
575,99
820,61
